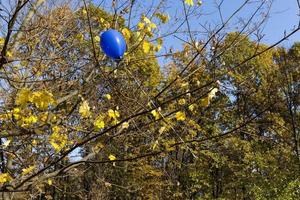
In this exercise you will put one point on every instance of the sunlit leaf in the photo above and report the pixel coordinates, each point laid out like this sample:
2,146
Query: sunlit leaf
189,2
107,96
125,125
97,39
146,47
49,181
5,177
84,109
126,33
180,116
28,170
112,157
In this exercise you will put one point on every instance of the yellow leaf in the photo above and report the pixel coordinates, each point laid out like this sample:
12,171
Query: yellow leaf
149,33
163,18
97,38
56,129
50,182
138,35
16,110
155,145
189,2
162,129
42,99
57,140
155,114
126,33
140,26
28,170
146,20
43,116
180,116
57,145
34,142
27,121
84,109
107,96
79,37
9,54
117,113
181,102
101,20
2,41
152,25
112,157
146,47
17,113
204,102
99,123
5,177
125,125
185,84
159,44
23,97
111,113
98,146
5,116
192,107
114,114
84,11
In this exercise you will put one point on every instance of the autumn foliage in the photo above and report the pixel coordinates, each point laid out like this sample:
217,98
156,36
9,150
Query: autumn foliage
217,119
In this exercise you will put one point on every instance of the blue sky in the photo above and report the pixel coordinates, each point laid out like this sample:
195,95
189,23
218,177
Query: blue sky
283,17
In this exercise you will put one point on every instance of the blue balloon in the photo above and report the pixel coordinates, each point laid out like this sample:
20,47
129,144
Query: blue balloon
113,44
